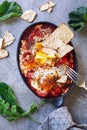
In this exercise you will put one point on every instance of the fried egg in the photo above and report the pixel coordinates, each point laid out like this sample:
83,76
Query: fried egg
45,56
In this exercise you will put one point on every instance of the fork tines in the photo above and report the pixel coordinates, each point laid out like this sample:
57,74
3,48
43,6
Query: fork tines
76,78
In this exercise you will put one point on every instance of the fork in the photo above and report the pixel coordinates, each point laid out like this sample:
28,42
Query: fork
76,78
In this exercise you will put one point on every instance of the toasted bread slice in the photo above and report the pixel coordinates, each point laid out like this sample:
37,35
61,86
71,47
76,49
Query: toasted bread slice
62,51
3,53
60,47
49,51
62,32
53,43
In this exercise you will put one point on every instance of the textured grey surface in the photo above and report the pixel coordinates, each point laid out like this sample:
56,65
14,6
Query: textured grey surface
76,101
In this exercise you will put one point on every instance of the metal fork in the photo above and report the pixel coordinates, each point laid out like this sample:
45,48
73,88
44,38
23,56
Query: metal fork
75,77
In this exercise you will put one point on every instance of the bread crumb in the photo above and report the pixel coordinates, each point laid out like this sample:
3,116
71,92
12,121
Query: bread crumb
8,39
51,4
1,43
44,7
29,15
47,7
3,53
50,10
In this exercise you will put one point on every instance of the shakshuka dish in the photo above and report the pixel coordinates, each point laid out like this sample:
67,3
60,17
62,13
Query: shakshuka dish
45,52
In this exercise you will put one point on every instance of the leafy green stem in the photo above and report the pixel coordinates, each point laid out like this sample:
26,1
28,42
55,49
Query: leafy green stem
33,108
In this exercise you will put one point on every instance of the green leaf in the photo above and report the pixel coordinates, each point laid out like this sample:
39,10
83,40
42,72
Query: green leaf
75,19
6,106
76,24
33,108
3,7
78,18
9,9
8,95
14,109
2,102
85,17
78,28
81,10
12,118
19,109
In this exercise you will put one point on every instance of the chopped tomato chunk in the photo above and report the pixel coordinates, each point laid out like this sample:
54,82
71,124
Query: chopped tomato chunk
33,36
27,56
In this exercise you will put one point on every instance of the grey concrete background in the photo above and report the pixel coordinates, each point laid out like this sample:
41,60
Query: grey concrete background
76,101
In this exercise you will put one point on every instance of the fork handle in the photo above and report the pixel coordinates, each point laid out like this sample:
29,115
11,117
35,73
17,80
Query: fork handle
83,85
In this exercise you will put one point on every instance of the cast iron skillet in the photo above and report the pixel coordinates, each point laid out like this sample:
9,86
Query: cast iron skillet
57,101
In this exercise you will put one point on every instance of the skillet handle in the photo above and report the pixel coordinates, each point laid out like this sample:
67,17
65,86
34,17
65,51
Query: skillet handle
58,102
